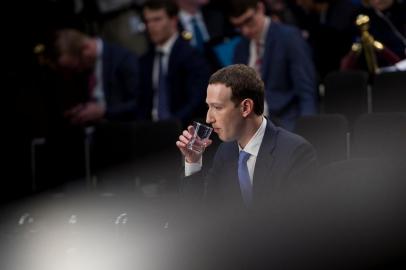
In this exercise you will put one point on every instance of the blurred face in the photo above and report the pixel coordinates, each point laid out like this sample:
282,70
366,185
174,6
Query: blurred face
223,114
307,5
381,4
251,23
194,2
69,62
78,62
159,25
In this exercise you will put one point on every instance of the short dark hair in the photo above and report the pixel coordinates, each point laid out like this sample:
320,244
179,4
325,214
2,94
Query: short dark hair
170,7
69,41
239,7
244,83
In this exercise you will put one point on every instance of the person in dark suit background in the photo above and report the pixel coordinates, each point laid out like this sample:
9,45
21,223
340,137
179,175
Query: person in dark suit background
256,158
387,23
108,75
327,26
174,74
84,82
207,27
279,53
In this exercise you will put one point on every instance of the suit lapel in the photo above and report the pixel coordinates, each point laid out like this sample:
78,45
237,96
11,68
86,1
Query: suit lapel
269,48
242,52
173,57
265,161
147,71
232,185
106,58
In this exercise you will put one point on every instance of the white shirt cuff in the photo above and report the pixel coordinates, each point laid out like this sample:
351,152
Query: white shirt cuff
191,168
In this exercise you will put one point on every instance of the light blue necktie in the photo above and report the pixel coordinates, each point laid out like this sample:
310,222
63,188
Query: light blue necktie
197,34
163,106
244,178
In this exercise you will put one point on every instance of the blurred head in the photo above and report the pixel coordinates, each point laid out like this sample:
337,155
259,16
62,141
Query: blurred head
193,2
307,5
380,4
235,94
75,51
248,16
161,20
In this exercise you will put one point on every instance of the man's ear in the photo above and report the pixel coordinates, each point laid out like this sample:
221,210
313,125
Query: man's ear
247,106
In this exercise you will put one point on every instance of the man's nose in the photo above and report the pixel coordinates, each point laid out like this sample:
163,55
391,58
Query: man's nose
209,118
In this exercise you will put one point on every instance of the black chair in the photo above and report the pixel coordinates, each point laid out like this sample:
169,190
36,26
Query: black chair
58,161
380,135
346,92
389,92
328,134
125,156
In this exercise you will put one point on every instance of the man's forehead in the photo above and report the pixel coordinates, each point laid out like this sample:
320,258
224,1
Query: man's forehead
154,12
246,15
218,93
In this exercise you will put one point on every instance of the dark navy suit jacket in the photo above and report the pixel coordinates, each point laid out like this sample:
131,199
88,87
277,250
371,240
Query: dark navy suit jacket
219,30
120,82
287,71
187,77
284,160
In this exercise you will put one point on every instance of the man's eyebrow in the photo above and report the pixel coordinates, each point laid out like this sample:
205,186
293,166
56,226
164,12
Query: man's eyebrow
213,103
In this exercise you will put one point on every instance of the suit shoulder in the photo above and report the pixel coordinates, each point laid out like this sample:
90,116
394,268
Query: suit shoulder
182,45
224,149
285,29
118,53
289,138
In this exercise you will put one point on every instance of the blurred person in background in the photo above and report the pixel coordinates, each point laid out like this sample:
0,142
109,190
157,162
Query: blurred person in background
109,74
174,74
281,57
327,25
206,27
87,81
387,26
388,23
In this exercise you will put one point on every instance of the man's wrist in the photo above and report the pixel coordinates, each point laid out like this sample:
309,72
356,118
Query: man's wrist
191,168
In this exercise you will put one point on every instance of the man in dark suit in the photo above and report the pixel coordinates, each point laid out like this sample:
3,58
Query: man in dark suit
256,158
174,74
85,81
109,76
279,53
207,27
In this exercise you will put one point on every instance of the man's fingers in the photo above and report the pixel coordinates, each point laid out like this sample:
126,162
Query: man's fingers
187,134
208,142
184,139
191,130
181,144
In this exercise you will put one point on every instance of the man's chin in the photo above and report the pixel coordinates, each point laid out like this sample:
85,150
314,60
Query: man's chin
225,139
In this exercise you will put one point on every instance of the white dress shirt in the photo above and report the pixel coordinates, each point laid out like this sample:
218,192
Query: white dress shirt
186,21
98,93
166,49
253,56
252,147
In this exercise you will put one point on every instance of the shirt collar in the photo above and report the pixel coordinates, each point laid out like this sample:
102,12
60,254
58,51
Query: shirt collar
167,46
99,47
264,33
254,144
186,17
